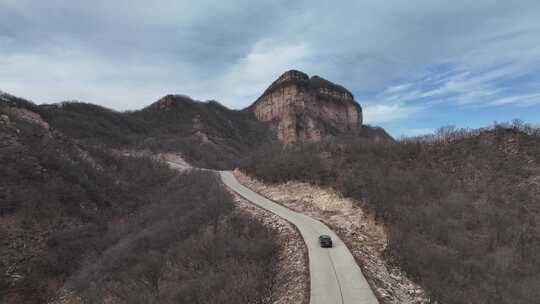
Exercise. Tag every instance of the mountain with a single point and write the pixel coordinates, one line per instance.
(303, 109)
(295, 108)
(461, 207)
(80, 222)
(207, 134)
(210, 133)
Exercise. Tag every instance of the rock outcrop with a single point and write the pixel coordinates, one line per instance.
(303, 109)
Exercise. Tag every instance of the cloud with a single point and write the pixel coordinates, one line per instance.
(403, 57)
(522, 100)
(250, 75)
(417, 131)
(491, 87)
(64, 75)
(381, 113)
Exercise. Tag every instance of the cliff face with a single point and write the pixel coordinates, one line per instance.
(303, 109)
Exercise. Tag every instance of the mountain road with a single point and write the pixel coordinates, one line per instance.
(334, 275)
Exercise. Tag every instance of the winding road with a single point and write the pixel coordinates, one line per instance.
(335, 277)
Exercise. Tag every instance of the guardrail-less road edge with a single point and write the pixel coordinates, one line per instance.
(335, 277)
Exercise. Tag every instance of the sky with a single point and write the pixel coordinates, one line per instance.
(413, 65)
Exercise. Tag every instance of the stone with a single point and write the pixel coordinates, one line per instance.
(4, 119)
(198, 129)
(29, 116)
(303, 109)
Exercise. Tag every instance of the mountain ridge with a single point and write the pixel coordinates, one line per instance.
(207, 133)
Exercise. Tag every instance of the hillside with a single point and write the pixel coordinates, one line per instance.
(460, 207)
(207, 134)
(80, 223)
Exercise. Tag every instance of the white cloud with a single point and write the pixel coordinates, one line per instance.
(381, 113)
(459, 87)
(59, 75)
(416, 131)
(397, 88)
(126, 54)
(249, 76)
(521, 100)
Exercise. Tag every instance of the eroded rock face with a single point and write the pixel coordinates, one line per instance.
(303, 109)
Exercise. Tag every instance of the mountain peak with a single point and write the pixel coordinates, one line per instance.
(300, 108)
(171, 101)
(299, 78)
(293, 74)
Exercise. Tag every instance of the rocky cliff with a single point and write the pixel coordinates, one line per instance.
(303, 109)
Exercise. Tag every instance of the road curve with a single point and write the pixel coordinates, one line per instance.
(335, 277)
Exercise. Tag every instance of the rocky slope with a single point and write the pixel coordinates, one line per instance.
(303, 109)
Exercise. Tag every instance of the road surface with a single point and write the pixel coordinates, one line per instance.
(335, 277)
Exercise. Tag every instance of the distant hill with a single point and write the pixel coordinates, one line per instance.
(207, 134)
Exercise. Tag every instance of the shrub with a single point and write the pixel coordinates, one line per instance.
(122, 228)
(461, 206)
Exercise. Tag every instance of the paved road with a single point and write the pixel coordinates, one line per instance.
(335, 276)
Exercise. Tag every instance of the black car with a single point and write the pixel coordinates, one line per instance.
(325, 241)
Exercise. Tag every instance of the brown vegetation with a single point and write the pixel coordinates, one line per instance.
(365, 239)
(207, 134)
(461, 207)
(98, 227)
